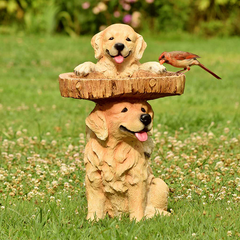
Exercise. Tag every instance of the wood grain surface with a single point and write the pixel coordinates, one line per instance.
(143, 85)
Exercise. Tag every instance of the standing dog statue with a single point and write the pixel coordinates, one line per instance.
(118, 176)
(118, 50)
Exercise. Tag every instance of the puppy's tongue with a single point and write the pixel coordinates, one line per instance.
(141, 136)
(119, 59)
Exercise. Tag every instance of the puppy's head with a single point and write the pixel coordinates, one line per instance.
(122, 120)
(119, 43)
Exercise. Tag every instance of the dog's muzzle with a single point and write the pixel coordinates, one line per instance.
(142, 135)
(119, 58)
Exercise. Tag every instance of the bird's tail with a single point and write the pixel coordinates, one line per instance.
(203, 67)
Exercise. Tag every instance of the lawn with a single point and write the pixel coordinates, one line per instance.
(42, 194)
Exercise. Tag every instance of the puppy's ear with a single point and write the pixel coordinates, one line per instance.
(96, 43)
(96, 121)
(140, 47)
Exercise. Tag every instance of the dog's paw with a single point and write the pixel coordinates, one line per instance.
(84, 69)
(153, 67)
(151, 212)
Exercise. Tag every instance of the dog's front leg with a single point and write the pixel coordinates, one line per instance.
(95, 197)
(137, 201)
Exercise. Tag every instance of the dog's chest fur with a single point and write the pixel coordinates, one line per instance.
(120, 166)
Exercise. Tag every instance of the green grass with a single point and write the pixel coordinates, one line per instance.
(42, 194)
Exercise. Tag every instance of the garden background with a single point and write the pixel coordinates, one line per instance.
(78, 17)
(42, 135)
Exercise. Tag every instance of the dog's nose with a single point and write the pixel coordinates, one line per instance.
(119, 46)
(145, 119)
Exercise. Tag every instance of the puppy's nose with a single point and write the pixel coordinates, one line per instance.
(145, 119)
(119, 46)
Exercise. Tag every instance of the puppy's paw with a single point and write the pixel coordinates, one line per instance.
(153, 67)
(84, 69)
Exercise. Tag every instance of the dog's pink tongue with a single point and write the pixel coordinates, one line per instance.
(119, 59)
(141, 136)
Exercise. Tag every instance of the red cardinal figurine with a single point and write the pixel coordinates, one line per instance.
(183, 60)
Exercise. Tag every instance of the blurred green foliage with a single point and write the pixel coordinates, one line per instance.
(78, 17)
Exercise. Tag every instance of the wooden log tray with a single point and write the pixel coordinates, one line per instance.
(143, 85)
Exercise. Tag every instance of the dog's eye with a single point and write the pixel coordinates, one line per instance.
(111, 38)
(143, 109)
(128, 39)
(125, 110)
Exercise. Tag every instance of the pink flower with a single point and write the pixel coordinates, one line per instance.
(136, 19)
(127, 18)
(116, 14)
(85, 5)
(130, 1)
(126, 6)
(149, 1)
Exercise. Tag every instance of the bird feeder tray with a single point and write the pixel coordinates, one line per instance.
(142, 85)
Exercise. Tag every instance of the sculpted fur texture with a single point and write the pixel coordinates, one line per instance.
(118, 176)
(118, 50)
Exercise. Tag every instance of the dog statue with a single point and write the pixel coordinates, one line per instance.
(118, 50)
(118, 176)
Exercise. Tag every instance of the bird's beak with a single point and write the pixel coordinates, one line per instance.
(162, 61)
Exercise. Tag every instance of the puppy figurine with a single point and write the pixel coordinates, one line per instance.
(118, 50)
(118, 176)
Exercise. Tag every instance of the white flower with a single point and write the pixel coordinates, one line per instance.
(30, 194)
(226, 130)
(54, 142)
(70, 147)
(2, 177)
(18, 133)
(189, 197)
(52, 198)
(102, 6)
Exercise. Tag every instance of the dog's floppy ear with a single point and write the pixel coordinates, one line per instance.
(96, 43)
(140, 47)
(96, 121)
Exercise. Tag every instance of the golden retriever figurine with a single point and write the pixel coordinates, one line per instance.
(118, 176)
(118, 49)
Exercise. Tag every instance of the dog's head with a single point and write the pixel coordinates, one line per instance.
(119, 43)
(122, 120)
